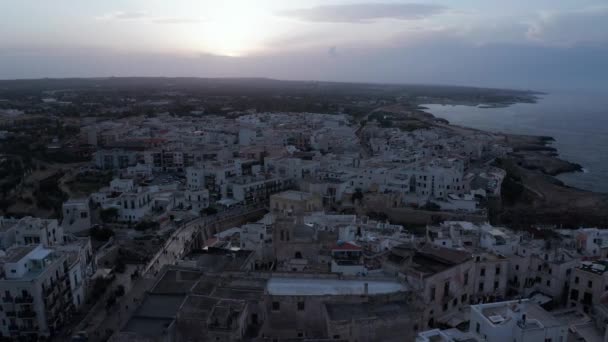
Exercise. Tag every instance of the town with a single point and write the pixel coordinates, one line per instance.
(234, 224)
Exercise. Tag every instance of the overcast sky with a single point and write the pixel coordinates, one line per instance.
(512, 43)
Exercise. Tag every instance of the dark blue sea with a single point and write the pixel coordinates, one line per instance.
(577, 120)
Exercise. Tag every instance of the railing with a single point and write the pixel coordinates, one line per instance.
(10, 314)
(7, 299)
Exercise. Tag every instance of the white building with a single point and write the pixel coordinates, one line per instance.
(195, 178)
(197, 199)
(121, 185)
(115, 159)
(37, 295)
(133, 206)
(76, 215)
(516, 321)
(33, 231)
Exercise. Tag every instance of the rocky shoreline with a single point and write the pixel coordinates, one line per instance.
(533, 153)
(531, 195)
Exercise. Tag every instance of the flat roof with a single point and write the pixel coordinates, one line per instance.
(160, 306)
(18, 253)
(354, 311)
(532, 310)
(39, 254)
(294, 195)
(282, 286)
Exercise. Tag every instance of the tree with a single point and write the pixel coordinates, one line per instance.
(101, 233)
(431, 206)
(108, 215)
(120, 266)
(208, 211)
(120, 291)
(145, 225)
(357, 195)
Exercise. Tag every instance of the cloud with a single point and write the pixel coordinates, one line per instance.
(121, 15)
(142, 16)
(586, 26)
(333, 51)
(364, 12)
(177, 20)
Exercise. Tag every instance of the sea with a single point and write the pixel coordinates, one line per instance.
(577, 120)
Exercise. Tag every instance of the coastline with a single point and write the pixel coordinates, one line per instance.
(531, 194)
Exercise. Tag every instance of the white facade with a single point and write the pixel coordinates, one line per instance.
(76, 216)
(37, 297)
(195, 178)
(516, 321)
(133, 206)
(33, 231)
(121, 185)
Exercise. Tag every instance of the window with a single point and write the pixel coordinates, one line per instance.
(539, 267)
(495, 285)
(482, 272)
(477, 328)
(548, 282)
(466, 278)
(432, 296)
(497, 270)
(576, 280)
(300, 306)
(517, 267)
(480, 287)
(589, 284)
(463, 298)
(445, 307)
(276, 306)
(336, 337)
(574, 294)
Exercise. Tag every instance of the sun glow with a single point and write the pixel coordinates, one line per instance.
(235, 30)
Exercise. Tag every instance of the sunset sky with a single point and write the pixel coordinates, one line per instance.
(533, 43)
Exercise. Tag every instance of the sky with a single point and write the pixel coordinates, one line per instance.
(525, 44)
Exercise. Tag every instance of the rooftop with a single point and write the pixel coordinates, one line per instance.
(282, 286)
(597, 267)
(293, 195)
(501, 312)
(18, 253)
(355, 311)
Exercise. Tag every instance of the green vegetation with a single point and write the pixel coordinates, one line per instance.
(89, 181)
(145, 225)
(208, 211)
(49, 195)
(108, 215)
(101, 233)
